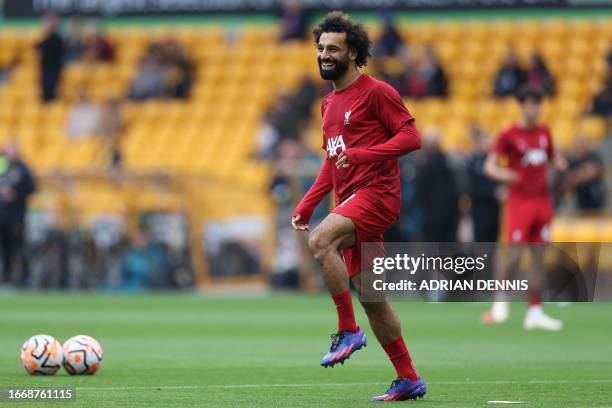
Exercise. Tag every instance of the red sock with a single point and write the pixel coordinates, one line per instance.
(535, 297)
(399, 356)
(346, 314)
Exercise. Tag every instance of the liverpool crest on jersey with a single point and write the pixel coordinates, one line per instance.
(347, 118)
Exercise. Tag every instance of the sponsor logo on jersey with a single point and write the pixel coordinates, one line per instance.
(333, 144)
(534, 157)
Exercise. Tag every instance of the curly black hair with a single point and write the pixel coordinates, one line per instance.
(529, 92)
(357, 37)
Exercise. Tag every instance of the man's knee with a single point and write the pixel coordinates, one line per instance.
(319, 243)
(335, 232)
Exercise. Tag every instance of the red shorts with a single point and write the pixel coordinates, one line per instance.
(373, 212)
(528, 219)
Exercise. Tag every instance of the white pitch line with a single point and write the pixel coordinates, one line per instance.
(289, 385)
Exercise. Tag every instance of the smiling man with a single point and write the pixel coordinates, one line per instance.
(366, 128)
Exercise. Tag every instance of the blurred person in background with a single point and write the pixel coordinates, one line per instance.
(390, 43)
(436, 192)
(408, 226)
(6, 69)
(179, 70)
(423, 75)
(585, 177)
(412, 82)
(294, 21)
(144, 264)
(366, 128)
(149, 79)
(539, 76)
(602, 102)
(16, 185)
(51, 49)
(294, 167)
(109, 129)
(434, 73)
(164, 71)
(73, 40)
(305, 96)
(267, 138)
(510, 76)
(284, 120)
(287, 118)
(96, 47)
(528, 148)
(485, 193)
(83, 118)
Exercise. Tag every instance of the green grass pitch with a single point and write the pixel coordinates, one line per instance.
(188, 350)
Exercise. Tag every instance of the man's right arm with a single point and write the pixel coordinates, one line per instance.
(496, 172)
(492, 167)
(320, 188)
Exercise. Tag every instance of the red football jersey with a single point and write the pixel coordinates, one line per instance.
(365, 114)
(528, 152)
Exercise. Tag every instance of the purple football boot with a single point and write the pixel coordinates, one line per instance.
(403, 389)
(344, 344)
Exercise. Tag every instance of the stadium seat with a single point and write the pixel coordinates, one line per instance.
(593, 128)
(226, 105)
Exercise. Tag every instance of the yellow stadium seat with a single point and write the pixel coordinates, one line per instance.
(583, 28)
(563, 132)
(214, 132)
(455, 137)
(605, 231)
(593, 128)
(554, 29)
(562, 230)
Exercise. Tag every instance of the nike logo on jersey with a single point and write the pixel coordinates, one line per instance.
(333, 144)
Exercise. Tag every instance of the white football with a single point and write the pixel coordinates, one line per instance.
(41, 355)
(82, 355)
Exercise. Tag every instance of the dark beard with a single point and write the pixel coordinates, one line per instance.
(337, 72)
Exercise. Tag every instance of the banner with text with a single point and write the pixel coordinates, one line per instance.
(31, 8)
(457, 272)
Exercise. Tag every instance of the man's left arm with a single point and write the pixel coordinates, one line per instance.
(392, 113)
(556, 158)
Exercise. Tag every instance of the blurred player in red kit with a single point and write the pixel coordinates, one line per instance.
(529, 149)
(366, 127)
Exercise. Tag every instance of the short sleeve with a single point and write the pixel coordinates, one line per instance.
(390, 108)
